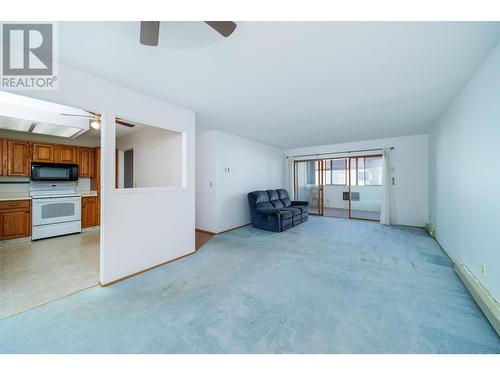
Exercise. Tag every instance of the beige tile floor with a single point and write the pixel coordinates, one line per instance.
(33, 273)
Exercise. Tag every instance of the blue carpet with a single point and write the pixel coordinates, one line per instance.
(325, 286)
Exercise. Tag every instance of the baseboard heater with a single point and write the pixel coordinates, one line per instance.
(431, 230)
(483, 298)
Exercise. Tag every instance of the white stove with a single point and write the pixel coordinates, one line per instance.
(56, 209)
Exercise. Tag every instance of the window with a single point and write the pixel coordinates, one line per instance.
(365, 171)
(339, 171)
(373, 171)
(335, 172)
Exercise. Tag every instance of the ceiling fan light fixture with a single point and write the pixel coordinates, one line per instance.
(96, 124)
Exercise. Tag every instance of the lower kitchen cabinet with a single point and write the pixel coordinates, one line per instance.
(90, 212)
(15, 219)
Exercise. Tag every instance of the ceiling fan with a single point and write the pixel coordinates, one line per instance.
(150, 30)
(96, 117)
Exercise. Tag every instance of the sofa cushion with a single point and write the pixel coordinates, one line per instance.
(303, 209)
(295, 211)
(259, 199)
(284, 197)
(274, 199)
(285, 215)
(260, 196)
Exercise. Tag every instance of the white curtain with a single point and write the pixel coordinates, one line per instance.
(290, 175)
(386, 211)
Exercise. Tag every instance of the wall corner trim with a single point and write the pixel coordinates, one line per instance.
(483, 298)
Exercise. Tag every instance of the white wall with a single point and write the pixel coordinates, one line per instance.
(157, 156)
(410, 160)
(235, 166)
(139, 229)
(465, 178)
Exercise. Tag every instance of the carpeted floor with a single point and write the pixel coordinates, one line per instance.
(325, 286)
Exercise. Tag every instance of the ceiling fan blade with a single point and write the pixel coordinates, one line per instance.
(225, 28)
(74, 115)
(150, 31)
(119, 121)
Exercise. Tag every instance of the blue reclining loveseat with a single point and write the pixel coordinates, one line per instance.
(273, 210)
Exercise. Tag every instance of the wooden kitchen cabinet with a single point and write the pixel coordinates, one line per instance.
(86, 161)
(18, 158)
(3, 155)
(43, 152)
(90, 211)
(66, 154)
(15, 219)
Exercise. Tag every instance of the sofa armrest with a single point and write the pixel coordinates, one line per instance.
(300, 203)
(268, 211)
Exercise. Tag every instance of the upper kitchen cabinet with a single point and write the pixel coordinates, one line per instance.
(86, 161)
(66, 154)
(18, 158)
(44, 152)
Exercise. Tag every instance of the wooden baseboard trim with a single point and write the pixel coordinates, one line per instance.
(205, 231)
(145, 270)
(228, 230)
(483, 298)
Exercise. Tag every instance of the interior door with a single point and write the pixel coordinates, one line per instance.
(128, 168)
(307, 184)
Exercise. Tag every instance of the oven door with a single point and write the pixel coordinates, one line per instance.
(56, 210)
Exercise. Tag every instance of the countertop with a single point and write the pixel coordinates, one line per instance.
(91, 193)
(25, 196)
(14, 196)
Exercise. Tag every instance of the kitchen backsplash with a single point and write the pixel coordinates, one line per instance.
(22, 186)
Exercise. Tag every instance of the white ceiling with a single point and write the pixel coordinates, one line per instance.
(292, 84)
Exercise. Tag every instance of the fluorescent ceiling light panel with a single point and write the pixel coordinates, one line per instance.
(39, 111)
(55, 130)
(16, 124)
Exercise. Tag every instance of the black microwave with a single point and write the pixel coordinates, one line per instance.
(54, 172)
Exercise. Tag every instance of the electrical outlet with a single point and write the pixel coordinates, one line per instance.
(483, 270)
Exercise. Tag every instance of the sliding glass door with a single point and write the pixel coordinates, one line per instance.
(348, 187)
(335, 188)
(365, 187)
(308, 180)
